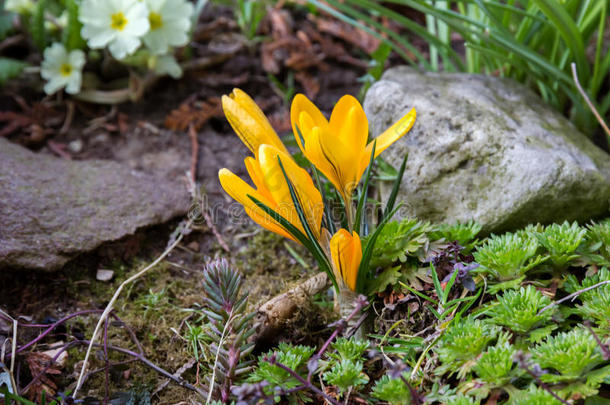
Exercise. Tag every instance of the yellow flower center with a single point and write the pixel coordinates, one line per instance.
(155, 20)
(65, 69)
(118, 21)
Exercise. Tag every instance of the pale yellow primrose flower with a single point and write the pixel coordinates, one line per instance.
(118, 24)
(61, 68)
(170, 23)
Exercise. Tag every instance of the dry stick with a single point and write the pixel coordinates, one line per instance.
(203, 209)
(602, 346)
(13, 350)
(521, 361)
(589, 103)
(109, 307)
(194, 151)
(572, 296)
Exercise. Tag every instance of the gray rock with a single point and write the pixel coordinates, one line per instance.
(487, 149)
(53, 209)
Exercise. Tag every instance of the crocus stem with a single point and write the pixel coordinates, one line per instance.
(349, 302)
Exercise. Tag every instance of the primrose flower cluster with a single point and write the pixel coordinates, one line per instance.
(284, 198)
(135, 32)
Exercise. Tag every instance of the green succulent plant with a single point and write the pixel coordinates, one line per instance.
(345, 375)
(462, 233)
(461, 344)
(598, 235)
(571, 354)
(349, 349)
(392, 390)
(533, 396)
(399, 239)
(507, 257)
(496, 363)
(462, 399)
(562, 242)
(518, 310)
(596, 301)
(293, 356)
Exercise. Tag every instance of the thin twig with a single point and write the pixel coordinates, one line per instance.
(194, 152)
(602, 346)
(304, 382)
(573, 296)
(589, 103)
(521, 361)
(109, 307)
(203, 210)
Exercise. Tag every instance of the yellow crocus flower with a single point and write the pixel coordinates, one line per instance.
(346, 253)
(338, 147)
(272, 190)
(249, 122)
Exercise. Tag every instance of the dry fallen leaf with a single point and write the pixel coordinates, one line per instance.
(194, 114)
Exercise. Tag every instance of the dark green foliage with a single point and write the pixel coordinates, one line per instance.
(229, 325)
(71, 34)
(10, 68)
(37, 25)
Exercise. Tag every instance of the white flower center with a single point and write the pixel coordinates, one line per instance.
(118, 21)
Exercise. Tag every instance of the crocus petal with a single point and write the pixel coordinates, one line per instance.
(301, 104)
(240, 190)
(256, 174)
(249, 122)
(346, 253)
(348, 122)
(307, 193)
(388, 137)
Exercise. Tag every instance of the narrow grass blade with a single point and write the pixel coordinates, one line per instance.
(364, 192)
(392, 199)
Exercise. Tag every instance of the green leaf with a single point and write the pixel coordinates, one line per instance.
(6, 24)
(71, 35)
(383, 280)
(392, 199)
(363, 270)
(37, 25)
(363, 194)
(10, 68)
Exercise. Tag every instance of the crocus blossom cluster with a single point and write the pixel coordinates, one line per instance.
(284, 198)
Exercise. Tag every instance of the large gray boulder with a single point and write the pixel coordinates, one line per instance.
(487, 149)
(53, 209)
